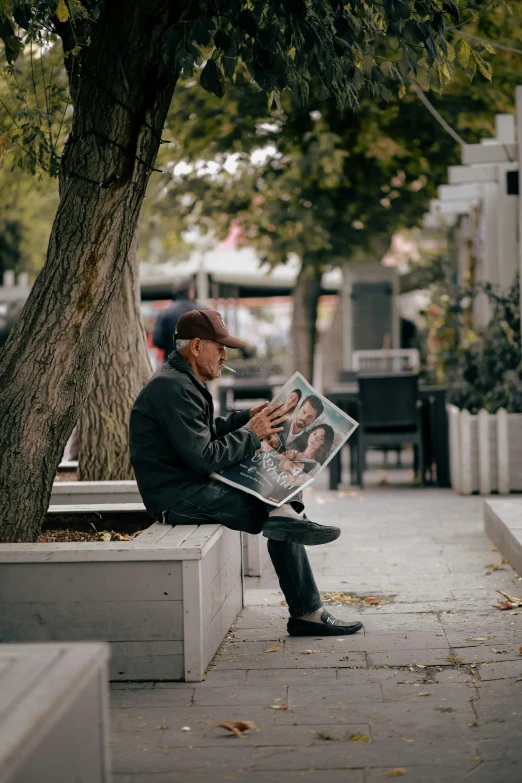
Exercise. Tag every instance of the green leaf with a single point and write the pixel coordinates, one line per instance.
(483, 66)
(222, 40)
(201, 31)
(212, 79)
(247, 23)
(62, 12)
(464, 51)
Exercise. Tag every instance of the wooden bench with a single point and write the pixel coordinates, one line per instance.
(54, 713)
(72, 492)
(164, 601)
(255, 554)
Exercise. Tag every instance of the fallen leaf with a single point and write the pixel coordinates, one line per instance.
(395, 773)
(358, 738)
(454, 659)
(105, 536)
(372, 601)
(478, 638)
(424, 693)
(511, 602)
(405, 739)
(520, 650)
(309, 652)
(279, 706)
(237, 727)
(273, 649)
(419, 666)
(163, 727)
(499, 652)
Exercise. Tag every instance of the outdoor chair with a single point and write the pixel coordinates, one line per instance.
(389, 417)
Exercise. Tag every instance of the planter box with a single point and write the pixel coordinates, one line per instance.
(165, 600)
(53, 713)
(503, 524)
(485, 451)
(255, 553)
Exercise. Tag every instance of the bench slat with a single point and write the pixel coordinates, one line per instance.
(179, 535)
(99, 508)
(152, 534)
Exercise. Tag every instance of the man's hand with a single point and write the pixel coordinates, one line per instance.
(267, 419)
(257, 409)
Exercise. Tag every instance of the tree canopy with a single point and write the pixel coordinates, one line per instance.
(123, 61)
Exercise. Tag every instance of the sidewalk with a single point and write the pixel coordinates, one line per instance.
(431, 692)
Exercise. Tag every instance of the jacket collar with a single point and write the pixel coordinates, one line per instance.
(177, 361)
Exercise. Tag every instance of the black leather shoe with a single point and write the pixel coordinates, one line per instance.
(329, 627)
(300, 531)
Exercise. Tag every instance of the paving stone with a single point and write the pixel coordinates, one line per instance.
(500, 670)
(245, 694)
(274, 776)
(425, 657)
(292, 676)
(489, 653)
(421, 774)
(338, 694)
(155, 697)
(233, 677)
(496, 772)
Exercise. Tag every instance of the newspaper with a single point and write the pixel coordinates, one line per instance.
(291, 459)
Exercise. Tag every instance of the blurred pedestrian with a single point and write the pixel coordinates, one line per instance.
(166, 322)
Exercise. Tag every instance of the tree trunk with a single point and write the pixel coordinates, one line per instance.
(303, 330)
(121, 96)
(123, 368)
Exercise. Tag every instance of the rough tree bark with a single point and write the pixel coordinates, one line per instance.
(123, 368)
(303, 331)
(121, 98)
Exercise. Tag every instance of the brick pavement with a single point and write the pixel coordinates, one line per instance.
(433, 688)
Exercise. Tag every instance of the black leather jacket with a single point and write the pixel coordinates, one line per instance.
(175, 442)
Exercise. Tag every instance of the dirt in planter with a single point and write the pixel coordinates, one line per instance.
(94, 527)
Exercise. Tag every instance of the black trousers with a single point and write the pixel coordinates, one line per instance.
(217, 502)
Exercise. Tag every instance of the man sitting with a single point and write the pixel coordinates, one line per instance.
(176, 443)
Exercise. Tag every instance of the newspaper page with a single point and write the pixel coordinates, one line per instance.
(291, 459)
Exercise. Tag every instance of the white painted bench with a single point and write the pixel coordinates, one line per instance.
(72, 492)
(54, 713)
(255, 553)
(164, 601)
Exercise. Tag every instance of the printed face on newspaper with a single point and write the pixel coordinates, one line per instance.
(291, 459)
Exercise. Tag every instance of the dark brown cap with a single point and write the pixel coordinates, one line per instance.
(207, 325)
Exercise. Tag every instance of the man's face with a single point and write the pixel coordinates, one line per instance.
(210, 357)
(304, 417)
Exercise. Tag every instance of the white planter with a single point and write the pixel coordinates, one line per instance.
(164, 601)
(71, 493)
(54, 713)
(485, 451)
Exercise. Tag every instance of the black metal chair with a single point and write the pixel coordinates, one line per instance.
(389, 416)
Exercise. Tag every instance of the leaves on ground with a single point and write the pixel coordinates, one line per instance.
(454, 659)
(424, 693)
(395, 773)
(309, 652)
(279, 706)
(372, 600)
(273, 649)
(511, 602)
(358, 738)
(238, 727)
(324, 735)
